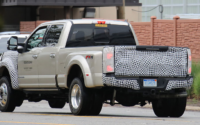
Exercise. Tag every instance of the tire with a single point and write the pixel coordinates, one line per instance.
(8, 104)
(97, 103)
(179, 107)
(19, 98)
(172, 107)
(79, 97)
(56, 103)
(163, 107)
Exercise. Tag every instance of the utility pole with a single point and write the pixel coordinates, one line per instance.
(122, 10)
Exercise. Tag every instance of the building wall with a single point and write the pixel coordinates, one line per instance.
(51, 13)
(78, 13)
(131, 15)
(29, 26)
(110, 13)
(13, 15)
(106, 12)
(171, 7)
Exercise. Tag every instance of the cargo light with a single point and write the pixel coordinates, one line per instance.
(108, 60)
(189, 61)
(190, 70)
(190, 58)
(101, 22)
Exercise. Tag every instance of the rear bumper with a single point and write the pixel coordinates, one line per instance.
(165, 84)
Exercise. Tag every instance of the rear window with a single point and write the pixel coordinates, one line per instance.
(98, 35)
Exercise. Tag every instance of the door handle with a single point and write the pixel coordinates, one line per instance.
(52, 55)
(35, 56)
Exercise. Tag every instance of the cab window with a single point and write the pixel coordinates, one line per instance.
(36, 39)
(53, 35)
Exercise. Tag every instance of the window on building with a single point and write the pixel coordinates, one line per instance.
(89, 13)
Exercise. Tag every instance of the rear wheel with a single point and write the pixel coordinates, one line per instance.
(161, 107)
(179, 107)
(7, 100)
(56, 103)
(172, 107)
(79, 97)
(97, 103)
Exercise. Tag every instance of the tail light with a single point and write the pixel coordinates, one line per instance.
(108, 60)
(189, 62)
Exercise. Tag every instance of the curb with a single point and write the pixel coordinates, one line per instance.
(188, 108)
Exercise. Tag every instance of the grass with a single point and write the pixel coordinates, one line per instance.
(194, 92)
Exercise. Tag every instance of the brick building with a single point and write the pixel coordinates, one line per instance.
(15, 11)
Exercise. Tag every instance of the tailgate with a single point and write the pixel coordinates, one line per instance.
(151, 61)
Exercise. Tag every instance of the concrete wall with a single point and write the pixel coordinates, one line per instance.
(182, 33)
(143, 31)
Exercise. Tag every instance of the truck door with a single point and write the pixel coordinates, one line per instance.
(28, 61)
(48, 56)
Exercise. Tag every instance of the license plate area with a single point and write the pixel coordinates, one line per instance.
(149, 82)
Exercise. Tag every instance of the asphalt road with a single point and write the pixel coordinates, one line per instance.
(41, 114)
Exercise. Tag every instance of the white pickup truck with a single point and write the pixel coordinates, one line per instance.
(90, 62)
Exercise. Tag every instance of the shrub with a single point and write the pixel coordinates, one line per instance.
(195, 90)
(196, 86)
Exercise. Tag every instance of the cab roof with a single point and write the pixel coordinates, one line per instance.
(86, 21)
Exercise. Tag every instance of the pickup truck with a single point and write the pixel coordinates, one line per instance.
(90, 62)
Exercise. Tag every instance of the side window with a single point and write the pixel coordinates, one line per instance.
(36, 39)
(53, 35)
(80, 36)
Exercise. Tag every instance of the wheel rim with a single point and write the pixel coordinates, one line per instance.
(3, 94)
(76, 96)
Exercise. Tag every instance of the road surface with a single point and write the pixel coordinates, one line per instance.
(40, 113)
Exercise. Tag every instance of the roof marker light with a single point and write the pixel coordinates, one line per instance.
(101, 22)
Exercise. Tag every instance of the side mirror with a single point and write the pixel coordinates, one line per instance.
(20, 49)
(12, 43)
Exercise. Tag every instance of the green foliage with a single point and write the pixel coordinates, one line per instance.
(195, 90)
(196, 86)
